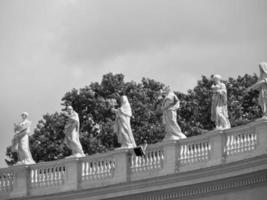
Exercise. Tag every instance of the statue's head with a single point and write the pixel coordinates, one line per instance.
(69, 109)
(24, 115)
(124, 100)
(216, 78)
(166, 90)
(263, 68)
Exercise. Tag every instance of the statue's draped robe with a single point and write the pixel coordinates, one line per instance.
(219, 111)
(71, 131)
(122, 126)
(263, 89)
(20, 142)
(169, 117)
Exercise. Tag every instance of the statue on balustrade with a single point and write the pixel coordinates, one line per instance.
(20, 141)
(122, 126)
(169, 108)
(261, 86)
(71, 131)
(219, 111)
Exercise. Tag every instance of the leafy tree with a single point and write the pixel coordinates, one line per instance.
(96, 119)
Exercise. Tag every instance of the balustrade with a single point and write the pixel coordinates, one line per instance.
(97, 168)
(241, 141)
(194, 152)
(122, 166)
(152, 160)
(47, 176)
(7, 179)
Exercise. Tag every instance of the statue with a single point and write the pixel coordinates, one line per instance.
(122, 126)
(71, 131)
(261, 85)
(169, 118)
(219, 112)
(20, 141)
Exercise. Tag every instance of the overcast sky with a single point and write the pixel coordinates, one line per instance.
(49, 47)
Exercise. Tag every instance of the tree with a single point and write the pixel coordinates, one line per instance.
(96, 119)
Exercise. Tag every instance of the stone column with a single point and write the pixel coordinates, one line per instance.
(22, 181)
(122, 170)
(170, 157)
(73, 174)
(217, 142)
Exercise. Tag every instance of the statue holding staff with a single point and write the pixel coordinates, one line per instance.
(20, 141)
(71, 131)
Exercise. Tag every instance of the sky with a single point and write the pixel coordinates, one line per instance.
(49, 47)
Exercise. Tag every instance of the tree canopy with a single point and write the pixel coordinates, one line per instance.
(96, 119)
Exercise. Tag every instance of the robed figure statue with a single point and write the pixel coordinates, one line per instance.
(71, 131)
(219, 111)
(169, 108)
(261, 86)
(20, 141)
(122, 126)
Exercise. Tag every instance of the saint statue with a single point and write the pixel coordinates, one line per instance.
(261, 85)
(219, 111)
(20, 141)
(169, 108)
(71, 131)
(122, 126)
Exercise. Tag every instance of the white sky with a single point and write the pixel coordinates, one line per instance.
(49, 47)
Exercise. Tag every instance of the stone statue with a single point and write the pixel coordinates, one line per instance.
(261, 85)
(20, 141)
(169, 108)
(122, 126)
(71, 131)
(219, 111)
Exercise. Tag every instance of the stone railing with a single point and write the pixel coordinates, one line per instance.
(123, 166)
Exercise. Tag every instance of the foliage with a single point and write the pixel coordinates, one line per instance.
(96, 119)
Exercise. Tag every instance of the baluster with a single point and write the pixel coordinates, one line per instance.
(83, 170)
(207, 148)
(188, 153)
(232, 146)
(188, 156)
(158, 159)
(132, 163)
(198, 152)
(246, 142)
(195, 153)
(101, 170)
(153, 160)
(227, 145)
(238, 143)
(241, 142)
(39, 177)
(53, 176)
(204, 150)
(201, 151)
(148, 160)
(90, 172)
(33, 177)
(109, 167)
(254, 140)
(47, 181)
(59, 175)
(94, 175)
(1, 183)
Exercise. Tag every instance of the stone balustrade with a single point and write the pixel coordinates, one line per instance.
(123, 166)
